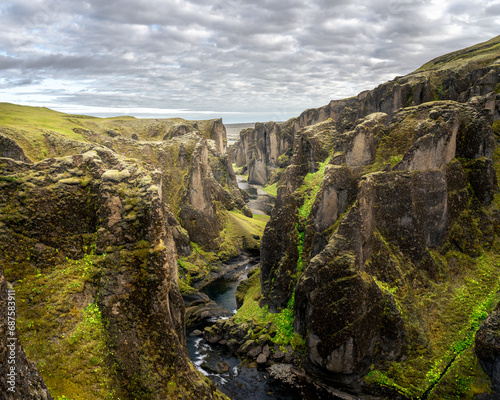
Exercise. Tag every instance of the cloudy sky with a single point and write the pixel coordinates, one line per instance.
(241, 60)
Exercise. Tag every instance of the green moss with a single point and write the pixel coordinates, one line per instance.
(442, 318)
(239, 171)
(309, 190)
(8, 178)
(465, 379)
(283, 160)
(282, 321)
(62, 331)
(271, 189)
(394, 143)
(240, 232)
(496, 128)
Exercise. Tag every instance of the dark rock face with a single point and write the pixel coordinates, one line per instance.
(28, 384)
(10, 149)
(260, 147)
(65, 203)
(487, 348)
(336, 193)
(279, 253)
(349, 320)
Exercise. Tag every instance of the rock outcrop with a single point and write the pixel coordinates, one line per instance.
(104, 219)
(21, 379)
(366, 232)
(487, 348)
(10, 149)
(472, 74)
(260, 149)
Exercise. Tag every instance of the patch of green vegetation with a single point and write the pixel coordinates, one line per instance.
(29, 127)
(283, 321)
(240, 232)
(300, 248)
(309, 190)
(8, 178)
(283, 160)
(271, 189)
(395, 159)
(451, 309)
(497, 88)
(61, 327)
(239, 171)
(480, 54)
(394, 143)
(379, 378)
(496, 127)
(410, 99)
(464, 380)
(195, 267)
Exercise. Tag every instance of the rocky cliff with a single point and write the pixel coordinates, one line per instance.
(90, 243)
(472, 74)
(94, 268)
(384, 237)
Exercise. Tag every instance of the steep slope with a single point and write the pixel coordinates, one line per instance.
(471, 74)
(385, 234)
(97, 230)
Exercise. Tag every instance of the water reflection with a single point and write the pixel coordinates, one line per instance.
(260, 202)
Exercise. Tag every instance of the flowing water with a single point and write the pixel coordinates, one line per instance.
(259, 202)
(237, 380)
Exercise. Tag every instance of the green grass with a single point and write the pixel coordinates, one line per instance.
(480, 54)
(240, 233)
(29, 125)
(61, 327)
(238, 171)
(271, 189)
(452, 310)
(283, 321)
(310, 188)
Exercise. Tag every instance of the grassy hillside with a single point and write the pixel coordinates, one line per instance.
(482, 54)
(36, 128)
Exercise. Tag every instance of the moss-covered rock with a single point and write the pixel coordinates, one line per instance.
(487, 347)
(96, 265)
(21, 377)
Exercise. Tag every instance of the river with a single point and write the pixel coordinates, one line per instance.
(237, 380)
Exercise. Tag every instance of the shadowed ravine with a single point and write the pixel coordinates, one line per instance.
(236, 379)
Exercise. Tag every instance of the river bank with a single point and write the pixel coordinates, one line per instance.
(236, 378)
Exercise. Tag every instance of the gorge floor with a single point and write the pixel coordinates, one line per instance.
(238, 380)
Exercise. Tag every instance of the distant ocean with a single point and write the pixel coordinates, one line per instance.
(233, 131)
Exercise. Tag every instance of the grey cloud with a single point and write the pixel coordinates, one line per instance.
(230, 56)
(7, 62)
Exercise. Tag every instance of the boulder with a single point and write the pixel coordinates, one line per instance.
(487, 347)
(261, 359)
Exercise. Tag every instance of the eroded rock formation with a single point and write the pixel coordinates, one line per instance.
(362, 225)
(455, 76)
(53, 213)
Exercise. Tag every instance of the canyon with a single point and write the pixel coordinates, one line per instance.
(375, 276)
